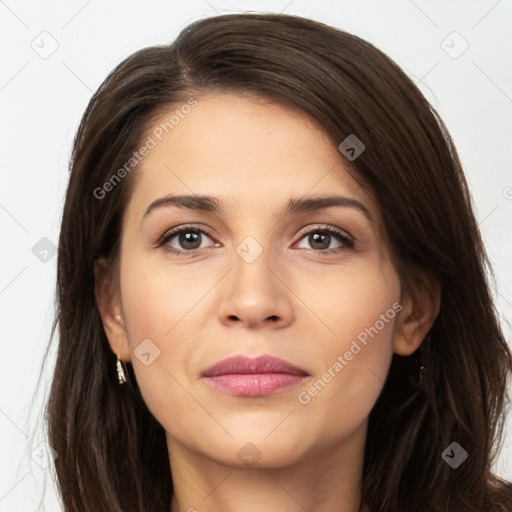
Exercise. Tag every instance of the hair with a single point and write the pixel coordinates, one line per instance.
(112, 453)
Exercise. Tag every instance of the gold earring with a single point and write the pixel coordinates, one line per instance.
(121, 377)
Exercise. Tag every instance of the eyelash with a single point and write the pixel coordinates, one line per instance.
(341, 236)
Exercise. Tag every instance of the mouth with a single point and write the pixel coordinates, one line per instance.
(248, 376)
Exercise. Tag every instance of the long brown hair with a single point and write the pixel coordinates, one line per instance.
(112, 454)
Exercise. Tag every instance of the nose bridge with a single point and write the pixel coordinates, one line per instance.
(252, 260)
(254, 294)
(256, 238)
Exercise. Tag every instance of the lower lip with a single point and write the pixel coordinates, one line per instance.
(254, 384)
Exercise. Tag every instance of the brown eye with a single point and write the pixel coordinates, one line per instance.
(320, 239)
(185, 239)
(189, 240)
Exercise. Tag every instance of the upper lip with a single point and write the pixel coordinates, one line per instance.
(245, 364)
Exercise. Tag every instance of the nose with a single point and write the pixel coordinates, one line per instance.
(255, 295)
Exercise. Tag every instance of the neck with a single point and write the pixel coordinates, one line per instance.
(328, 480)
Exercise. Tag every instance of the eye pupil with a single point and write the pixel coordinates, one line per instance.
(320, 238)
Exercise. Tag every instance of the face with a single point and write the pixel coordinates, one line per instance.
(313, 287)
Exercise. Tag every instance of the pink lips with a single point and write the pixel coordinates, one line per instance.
(247, 376)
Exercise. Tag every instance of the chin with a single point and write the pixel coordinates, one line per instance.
(250, 448)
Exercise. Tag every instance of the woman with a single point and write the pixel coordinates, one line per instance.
(272, 288)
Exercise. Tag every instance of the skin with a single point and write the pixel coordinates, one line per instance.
(199, 309)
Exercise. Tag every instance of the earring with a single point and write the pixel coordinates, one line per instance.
(121, 377)
(417, 381)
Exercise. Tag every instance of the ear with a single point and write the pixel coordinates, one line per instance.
(108, 301)
(416, 318)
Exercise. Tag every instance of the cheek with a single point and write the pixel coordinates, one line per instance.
(153, 310)
(366, 316)
(353, 361)
(163, 310)
(157, 302)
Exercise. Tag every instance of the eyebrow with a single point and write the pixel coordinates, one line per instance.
(295, 205)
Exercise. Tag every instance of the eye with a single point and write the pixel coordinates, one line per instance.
(188, 239)
(321, 237)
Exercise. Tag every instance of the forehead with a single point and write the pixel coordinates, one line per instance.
(251, 154)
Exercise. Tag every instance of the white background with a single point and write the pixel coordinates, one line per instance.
(43, 99)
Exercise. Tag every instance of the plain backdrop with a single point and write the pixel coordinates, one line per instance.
(57, 53)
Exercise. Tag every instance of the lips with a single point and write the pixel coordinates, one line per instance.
(247, 365)
(246, 376)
